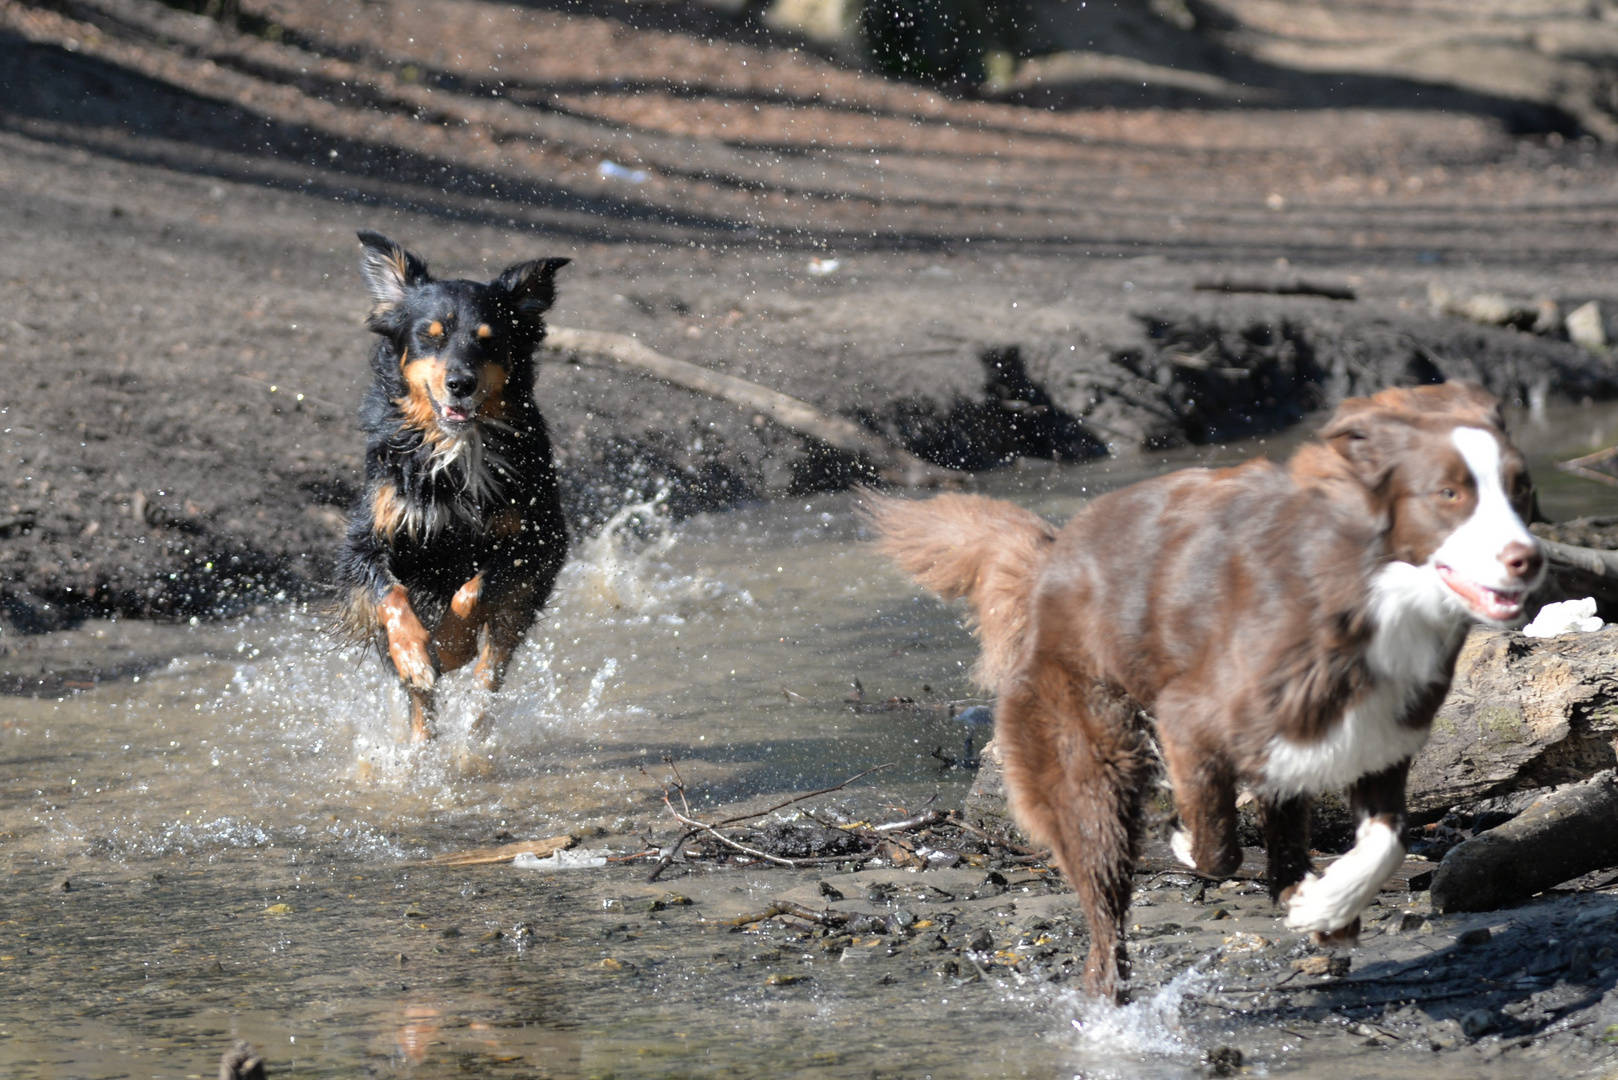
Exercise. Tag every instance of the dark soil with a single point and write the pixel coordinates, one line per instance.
(181, 313)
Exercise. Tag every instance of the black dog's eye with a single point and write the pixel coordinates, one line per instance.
(1449, 494)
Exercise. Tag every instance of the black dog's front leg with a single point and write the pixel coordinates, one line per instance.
(401, 637)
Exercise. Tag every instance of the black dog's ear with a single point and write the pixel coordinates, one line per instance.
(532, 285)
(388, 270)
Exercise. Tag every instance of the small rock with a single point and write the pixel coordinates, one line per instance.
(1443, 1034)
(1223, 1061)
(900, 921)
(830, 891)
(949, 968)
(1244, 942)
(1585, 327)
(1477, 1022)
(241, 1062)
(1477, 936)
(67, 886)
(1213, 916)
(785, 980)
(450, 931)
(1409, 922)
(1317, 966)
(980, 941)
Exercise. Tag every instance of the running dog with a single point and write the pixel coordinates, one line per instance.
(456, 541)
(1286, 629)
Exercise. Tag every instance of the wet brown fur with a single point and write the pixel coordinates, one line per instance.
(1214, 609)
(967, 545)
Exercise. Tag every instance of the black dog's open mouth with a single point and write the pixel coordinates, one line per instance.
(455, 414)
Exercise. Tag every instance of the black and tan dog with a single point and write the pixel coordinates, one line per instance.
(456, 542)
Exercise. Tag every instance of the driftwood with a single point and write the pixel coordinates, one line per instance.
(1522, 713)
(1582, 571)
(1282, 287)
(1561, 836)
(893, 463)
(539, 849)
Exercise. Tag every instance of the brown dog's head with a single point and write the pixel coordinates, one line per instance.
(1451, 489)
(455, 352)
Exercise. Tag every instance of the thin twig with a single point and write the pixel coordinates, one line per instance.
(784, 907)
(743, 848)
(805, 795)
(955, 820)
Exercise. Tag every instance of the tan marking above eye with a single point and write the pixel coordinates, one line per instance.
(435, 329)
(484, 331)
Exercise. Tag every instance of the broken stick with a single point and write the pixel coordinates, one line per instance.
(1561, 836)
(893, 463)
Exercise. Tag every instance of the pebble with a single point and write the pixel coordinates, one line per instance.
(1477, 1022)
(1318, 966)
(1477, 936)
(1213, 916)
(1223, 1061)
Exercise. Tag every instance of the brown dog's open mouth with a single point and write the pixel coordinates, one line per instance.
(1499, 605)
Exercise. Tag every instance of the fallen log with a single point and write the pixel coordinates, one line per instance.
(1582, 571)
(1522, 713)
(1559, 837)
(893, 463)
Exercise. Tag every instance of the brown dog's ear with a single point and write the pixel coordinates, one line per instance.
(388, 270)
(532, 285)
(1368, 437)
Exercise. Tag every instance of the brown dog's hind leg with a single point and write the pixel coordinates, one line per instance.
(1205, 796)
(1074, 767)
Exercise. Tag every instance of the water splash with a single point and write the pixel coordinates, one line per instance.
(1139, 1041)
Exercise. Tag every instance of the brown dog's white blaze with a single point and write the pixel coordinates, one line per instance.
(1289, 630)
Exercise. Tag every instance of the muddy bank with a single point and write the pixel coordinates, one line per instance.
(181, 436)
(976, 280)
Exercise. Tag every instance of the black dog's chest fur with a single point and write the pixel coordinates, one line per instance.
(455, 543)
(458, 531)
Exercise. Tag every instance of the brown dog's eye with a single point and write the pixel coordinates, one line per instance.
(1449, 494)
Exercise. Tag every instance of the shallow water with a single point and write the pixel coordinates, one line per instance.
(225, 837)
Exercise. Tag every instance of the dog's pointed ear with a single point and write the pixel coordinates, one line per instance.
(388, 270)
(1367, 437)
(532, 285)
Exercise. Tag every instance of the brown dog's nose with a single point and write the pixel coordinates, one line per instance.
(1522, 560)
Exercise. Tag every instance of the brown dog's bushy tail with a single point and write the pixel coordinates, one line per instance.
(985, 550)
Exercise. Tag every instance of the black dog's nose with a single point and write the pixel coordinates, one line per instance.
(460, 383)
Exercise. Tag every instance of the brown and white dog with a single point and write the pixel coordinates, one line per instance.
(1286, 629)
